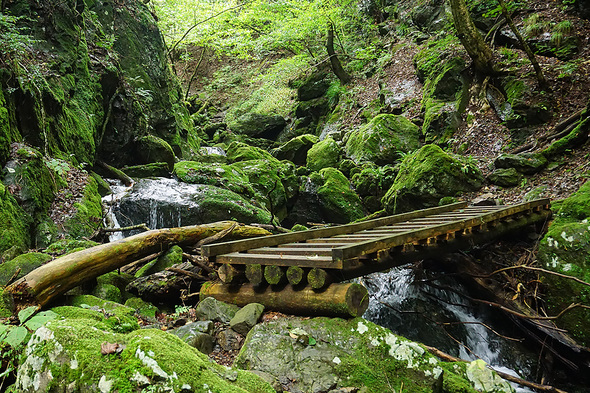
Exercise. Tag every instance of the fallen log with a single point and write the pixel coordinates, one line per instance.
(47, 282)
(339, 300)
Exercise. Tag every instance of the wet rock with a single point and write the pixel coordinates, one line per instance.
(323, 154)
(213, 310)
(156, 169)
(151, 149)
(382, 140)
(197, 335)
(246, 318)
(427, 176)
(508, 177)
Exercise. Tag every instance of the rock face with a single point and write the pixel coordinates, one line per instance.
(322, 354)
(382, 140)
(426, 177)
(260, 126)
(565, 249)
(67, 353)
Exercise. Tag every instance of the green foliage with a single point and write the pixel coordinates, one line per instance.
(16, 44)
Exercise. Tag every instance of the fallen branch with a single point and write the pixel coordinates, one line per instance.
(195, 261)
(129, 228)
(47, 282)
(186, 273)
(134, 266)
(449, 358)
(537, 269)
(217, 236)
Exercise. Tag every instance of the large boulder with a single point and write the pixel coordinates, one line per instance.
(565, 249)
(258, 125)
(427, 176)
(165, 203)
(239, 151)
(321, 355)
(323, 154)
(151, 149)
(383, 139)
(21, 265)
(526, 163)
(338, 201)
(82, 353)
(296, 149)
(314, 86)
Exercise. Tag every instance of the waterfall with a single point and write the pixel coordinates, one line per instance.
(410, 308)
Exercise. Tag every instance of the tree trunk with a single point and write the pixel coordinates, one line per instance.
(341, 300)
(45, 283)
(478, 50)
(334, 60)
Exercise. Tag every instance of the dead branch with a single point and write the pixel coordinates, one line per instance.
(186, 273)
(134, 266)
(197, 262)
(537, 269)
(449, 358)
(217, 236)
(129, 228)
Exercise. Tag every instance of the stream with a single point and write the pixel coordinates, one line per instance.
(400, 301)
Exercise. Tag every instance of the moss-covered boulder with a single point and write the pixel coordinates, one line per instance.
(321, 354)
(338, 201)
(371, 184)
(156, 169)
(258, 125)
(383, 139)
(14, 226)
(23, 264)
(66, 352)
(68, 246)
(296, 149)
(313, 109)
(166, 203)
(525, 107)
(151, 149)
(323, 154)
(508, 177)
(170, 258)
(428, 175)
(565, 249)
(239, 151)
(526, 163)
(314, 86)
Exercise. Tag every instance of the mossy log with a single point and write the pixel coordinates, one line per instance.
(295, 275)
(318, 278)
(255, 274)
(229, 274)
(339, 300)
(274, 275)
(45, 283)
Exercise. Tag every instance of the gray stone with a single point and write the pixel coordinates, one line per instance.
(260, 126)
(193, 335)
(229, 340)
(508, 177)
(246, 318)
(214, 310)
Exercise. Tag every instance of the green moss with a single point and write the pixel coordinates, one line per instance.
(156, 169)
(6, 303)
(68, 246)
(88, 214)
(238, 151)
(157, 356)
(14, 226)
(296, 149)
(151, 149)
(427, 176)
(324, 154)
(26, 263)
(142, 308)
(229, 205)
(8, 134)
(218, 175)
(383, 139)
(339, 203)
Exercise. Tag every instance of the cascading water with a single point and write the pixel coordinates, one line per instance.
(403, 304)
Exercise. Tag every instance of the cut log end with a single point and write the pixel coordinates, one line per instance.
(274, 275)
(295, 275)
(228, 274)
(255, 274)
(318, 278)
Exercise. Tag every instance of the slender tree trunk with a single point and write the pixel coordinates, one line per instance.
(525, 45)
(334, 60)
(478, 50)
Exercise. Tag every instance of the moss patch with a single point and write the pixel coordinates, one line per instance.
(324, 154)
(14, 226)
(88, 213)
(25, 262)
(338, 201)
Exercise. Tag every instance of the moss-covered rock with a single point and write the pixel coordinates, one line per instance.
(68, 246)
(104, 188)
(239, 151)
(14, 226)
(565, 249)
(23, 264)
(67, 353)
(151, 149)
(258, 125)
(87, 215)
(296, 149)
(507, 177)
(314, 86)
(526, 108)
(107, 292)
(371, 184)
(338, 201)
(321, 354)
(527, 163)
(427, 176)
(313, 109)
(383, 139)
(323, 154)
(170, 258)
(156, 169)
(142, 308)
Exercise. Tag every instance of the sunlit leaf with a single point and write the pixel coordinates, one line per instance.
(40, 319)
(16, 336)
(26, 313)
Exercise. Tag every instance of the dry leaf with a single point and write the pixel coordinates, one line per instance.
(107, 348)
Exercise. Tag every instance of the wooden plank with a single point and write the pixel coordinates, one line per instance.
(314, 245)
(372, 246)
(292, 251)
(339, 239)
(273, 240)
(279, 260)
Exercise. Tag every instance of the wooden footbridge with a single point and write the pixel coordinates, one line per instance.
(310, 261)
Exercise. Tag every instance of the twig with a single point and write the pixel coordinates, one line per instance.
(186, 273)
(14, 276)
(449, 358)
(194, 260)
(133, 266)
(537, 269)
(138, 226)
(219, 235)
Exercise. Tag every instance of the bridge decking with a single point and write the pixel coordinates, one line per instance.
(351, 250)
